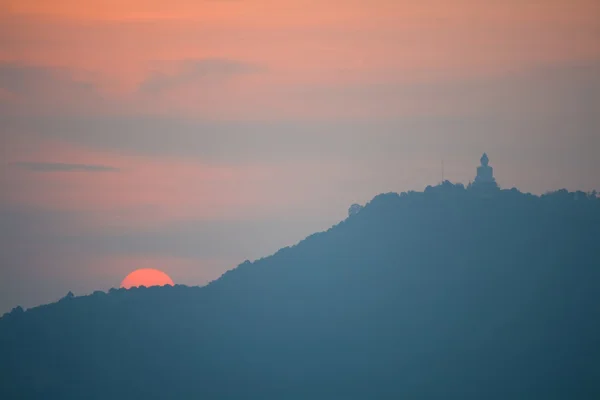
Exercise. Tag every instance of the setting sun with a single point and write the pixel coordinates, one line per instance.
(146, 277)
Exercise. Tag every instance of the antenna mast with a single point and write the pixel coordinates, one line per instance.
(442, 171)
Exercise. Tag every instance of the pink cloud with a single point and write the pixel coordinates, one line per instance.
(301, 43)
(164, 187)
(146, 191)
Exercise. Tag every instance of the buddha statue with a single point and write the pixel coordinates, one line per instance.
(485, 174)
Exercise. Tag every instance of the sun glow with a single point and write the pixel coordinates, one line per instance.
(146, 277)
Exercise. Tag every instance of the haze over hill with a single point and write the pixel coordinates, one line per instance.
(188, 136)
(458, 293)
(150, 142)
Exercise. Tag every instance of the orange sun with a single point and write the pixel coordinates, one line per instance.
(146, 277)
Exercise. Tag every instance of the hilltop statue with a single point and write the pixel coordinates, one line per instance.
(485, 174)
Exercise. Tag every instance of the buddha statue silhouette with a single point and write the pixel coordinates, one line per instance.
(485, 174)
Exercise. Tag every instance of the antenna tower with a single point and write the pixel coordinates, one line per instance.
(442, 171)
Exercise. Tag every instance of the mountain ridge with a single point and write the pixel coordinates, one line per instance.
(450, 292)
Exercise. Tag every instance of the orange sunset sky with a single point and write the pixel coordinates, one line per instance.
(189, 136)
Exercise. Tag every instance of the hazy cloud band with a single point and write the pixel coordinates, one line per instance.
(63, 167)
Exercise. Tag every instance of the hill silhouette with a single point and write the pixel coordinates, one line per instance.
(451, 293)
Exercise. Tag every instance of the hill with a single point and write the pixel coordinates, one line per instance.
(445, 294)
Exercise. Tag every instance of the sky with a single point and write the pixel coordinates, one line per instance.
(191, 135)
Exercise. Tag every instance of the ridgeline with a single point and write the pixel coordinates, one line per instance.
(451, 293)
